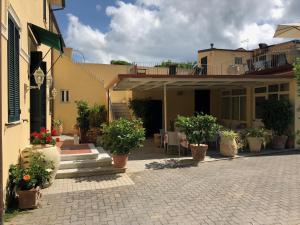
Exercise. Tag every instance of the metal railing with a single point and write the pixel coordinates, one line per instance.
(260, 61)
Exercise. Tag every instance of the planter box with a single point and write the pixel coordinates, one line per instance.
(29, 199)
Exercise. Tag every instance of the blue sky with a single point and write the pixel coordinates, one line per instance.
(155, 30)
(91, 12)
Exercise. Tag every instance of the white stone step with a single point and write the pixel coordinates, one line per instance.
(87, 172)
(86, 163)
(94, 154)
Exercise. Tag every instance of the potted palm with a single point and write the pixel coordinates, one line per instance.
(25, 182)
(120, 137)
(83, 119)
(256, 137)
(199, 130)
(230, 143)
(43, 142)
(278, 116)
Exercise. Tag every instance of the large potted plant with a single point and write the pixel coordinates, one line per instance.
(120, 137)
(58, 126)
(43, 142)
(230, 143)
(199, 130)
(278, 116)
(256, 137)
(97, 116)
(25, 182)
(83, 119)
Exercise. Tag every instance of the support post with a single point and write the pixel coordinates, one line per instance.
(165, 108)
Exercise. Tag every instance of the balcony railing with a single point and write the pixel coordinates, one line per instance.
(258, 63)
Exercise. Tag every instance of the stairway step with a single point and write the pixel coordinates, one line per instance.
(87, 163)
(87, 172)
(94, 154)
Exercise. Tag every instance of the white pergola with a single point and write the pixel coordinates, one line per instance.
(155, 82)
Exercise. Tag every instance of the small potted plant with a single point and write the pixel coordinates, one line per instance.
(230, 143)
(25, 182)
(120, 137)
(256, 137)
(199, 130)
(278, 116)
(43, 142)
(58, 127)
(83, 119)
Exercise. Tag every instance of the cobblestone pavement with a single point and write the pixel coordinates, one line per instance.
(254, 190)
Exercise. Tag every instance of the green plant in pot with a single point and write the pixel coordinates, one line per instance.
(58, 126)
(25, 180)
(278, 116)
(256, 137)
(230, 143)
(97, 116)
(82, 118)
(120, 137)
(199, 130)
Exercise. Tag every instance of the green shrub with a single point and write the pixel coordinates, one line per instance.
(82, 115)
(198, 129)
(277, 115)
(97, 116)
(121, 136)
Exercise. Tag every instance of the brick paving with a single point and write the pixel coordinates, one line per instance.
(254, 190)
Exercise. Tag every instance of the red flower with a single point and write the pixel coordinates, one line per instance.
(54, 132)
(43, 130)
(49, 139)
(57, 140)
(35, 134)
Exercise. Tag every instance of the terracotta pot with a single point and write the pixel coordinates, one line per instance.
(228, 146)
(29, 199)
(255, 143)
(198, 151)
(290, 143)
(278, 142)
(51, 153)
(120, 161)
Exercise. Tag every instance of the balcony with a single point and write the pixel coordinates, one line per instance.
(262, 62)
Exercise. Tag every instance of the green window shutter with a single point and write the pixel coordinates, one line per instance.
(13, 72)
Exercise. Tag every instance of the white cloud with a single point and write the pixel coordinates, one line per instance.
(153, 30)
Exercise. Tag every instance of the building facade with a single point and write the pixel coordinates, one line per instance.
(25, 26)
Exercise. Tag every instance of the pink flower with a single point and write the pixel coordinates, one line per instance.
(43, 130)
(54, 132)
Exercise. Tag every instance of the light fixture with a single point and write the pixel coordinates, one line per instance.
(49, 80)
(53, 93)
(39, 77)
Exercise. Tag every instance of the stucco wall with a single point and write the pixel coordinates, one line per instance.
(16, 136)
(84, 81)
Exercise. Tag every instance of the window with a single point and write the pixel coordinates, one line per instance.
(272, 92)
(234, 104)
(13, 72)
(64, 96)
(238, 60)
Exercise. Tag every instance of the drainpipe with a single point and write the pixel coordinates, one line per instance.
(1, 125)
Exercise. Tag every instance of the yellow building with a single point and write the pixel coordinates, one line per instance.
(28, 39)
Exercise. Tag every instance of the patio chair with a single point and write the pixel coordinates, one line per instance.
(173, 140)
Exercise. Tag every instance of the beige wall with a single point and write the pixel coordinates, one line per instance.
(16, 136)
(220, 62)
(84, 81)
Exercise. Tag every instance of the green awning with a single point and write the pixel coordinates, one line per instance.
(46, 37)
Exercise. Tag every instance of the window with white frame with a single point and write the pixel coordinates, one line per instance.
(64, 95)
(272, 91)
(233, 104)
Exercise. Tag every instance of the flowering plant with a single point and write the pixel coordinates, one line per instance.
(42, 138)
(37, 174)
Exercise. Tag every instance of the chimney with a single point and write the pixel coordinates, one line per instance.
(211, 45)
